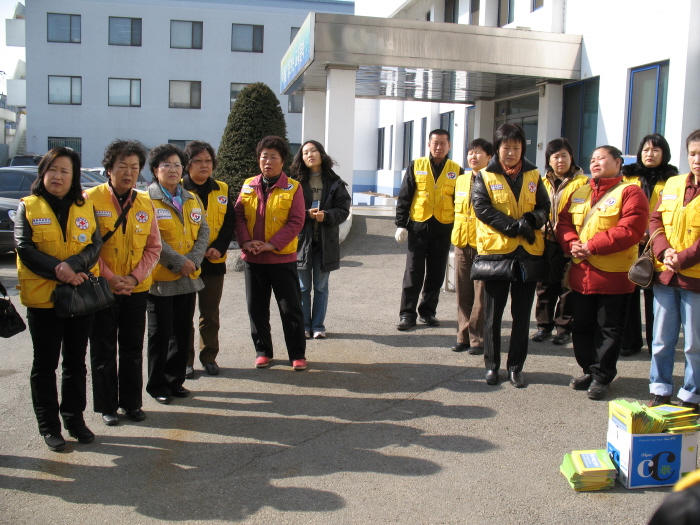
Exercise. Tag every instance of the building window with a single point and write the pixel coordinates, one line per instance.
(296, 104)
(647, 105)
(407, 143)
(580, 119)
(469, 125)
(235, 90)
(246, 37)
(124, 31)
(427, 16)
(474, 12)
(186, 35)
(74, 143)
(536, 4)
(65, 90)
(506, 12)
(451, 11)
(380, 149)
(447, 122)
(182, 144)
(63, 28)
(391, 146)
(124, 92)
(293, 34)
(294, 148)
(185, 94)
(423, 135)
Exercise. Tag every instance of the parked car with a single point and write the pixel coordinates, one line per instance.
(15, 182)
(25, 160)
(8, 208)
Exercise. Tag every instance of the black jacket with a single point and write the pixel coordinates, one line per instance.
(335, 202)
(519, 265)
(649, 176)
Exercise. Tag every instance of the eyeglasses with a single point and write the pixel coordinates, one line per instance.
(199, 162)
(167, 166)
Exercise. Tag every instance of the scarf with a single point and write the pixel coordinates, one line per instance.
(514, 171)
(175, 200)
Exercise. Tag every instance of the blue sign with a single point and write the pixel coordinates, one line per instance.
(656, 459)
(299, 55)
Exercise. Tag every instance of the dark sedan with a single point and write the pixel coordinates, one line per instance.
(15, 182)
(8, 207)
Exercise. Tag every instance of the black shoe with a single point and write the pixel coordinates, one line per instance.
(189, 372)
(581, 383)
(492, 377)
(164, 400)
(82, 434)
(55, 442)
(476, 350)
(659, 400)
(212, 369)
(135, 414)
(181, 392)
(516, 379)
(460, 347)
(561, 339)
(430, 320)
(629, 351)
(597, 390)
(110, 419)
(405, 323)
(688, 404)
(541, 335)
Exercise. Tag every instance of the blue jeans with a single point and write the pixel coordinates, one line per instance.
(673, 306)
(314, 317)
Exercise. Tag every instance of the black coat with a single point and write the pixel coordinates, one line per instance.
(649, 176)
(335, 202)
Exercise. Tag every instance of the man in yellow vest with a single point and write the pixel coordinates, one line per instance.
(424, 218)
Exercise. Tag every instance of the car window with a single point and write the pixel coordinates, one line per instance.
(10, 181)
(27, 181)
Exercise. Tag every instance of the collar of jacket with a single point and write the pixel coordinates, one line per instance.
(190, 185)
(495, 166)
(282, 182)
(662, 172)
(155, 192)
(573, 171)
(604, 184)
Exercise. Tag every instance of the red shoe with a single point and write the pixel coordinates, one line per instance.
(262, 361)
(299, 364)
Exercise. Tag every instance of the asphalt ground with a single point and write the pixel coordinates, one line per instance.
(384, 426)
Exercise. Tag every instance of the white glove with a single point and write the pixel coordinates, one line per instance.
(401, 235)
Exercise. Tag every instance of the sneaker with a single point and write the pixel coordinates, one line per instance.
(299, 364)
(262, 361)
(659, 400)
(320, 335)
(308, 334)
(55, 442)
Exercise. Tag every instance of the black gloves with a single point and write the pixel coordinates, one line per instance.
(525, 230)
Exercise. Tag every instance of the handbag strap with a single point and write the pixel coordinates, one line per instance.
(647, 248)
(593, 209)
(2, 290)
(122, 217)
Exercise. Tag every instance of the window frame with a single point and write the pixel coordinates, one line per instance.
(190, 82)
(70, 28)
(193, 24)
(509, 16)
(131, 31)
(381, 134)
(407, 143)
(75, 143)
(233, 100)
(631, 111)
(291, 107)
(71, 103)
(131, 104)
(577, 145)
(423, 135)
(252, 49)
(534, 7)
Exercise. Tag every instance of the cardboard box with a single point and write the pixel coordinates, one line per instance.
(651, 460)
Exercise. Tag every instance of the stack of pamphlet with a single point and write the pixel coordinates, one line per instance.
(635, 418)
(677, 420)
(587, 470)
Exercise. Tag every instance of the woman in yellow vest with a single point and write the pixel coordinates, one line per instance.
(650, 172)
(511, 203)
(270, 214)
(677, 283)
(57, 241)
(171, 299)
(129, 254)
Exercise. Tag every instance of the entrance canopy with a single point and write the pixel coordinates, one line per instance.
(414, 60)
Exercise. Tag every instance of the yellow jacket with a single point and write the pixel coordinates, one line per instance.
(215, 213)
(658, 190)
(464, 230)
(434, 197)
(560, 196)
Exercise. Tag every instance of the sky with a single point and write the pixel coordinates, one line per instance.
(8, 55)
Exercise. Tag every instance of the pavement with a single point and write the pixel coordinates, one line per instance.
(383, 427)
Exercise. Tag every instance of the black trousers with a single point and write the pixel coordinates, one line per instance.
(426, 263)
(169, 333)
(522, 296)
(632, 335)
(598, 324)
(553, 308)
(52, 338)
(118, 330)
(282, 279)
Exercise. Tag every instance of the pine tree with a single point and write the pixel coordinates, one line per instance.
(255, 114)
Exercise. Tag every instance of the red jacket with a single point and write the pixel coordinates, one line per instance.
(634, 220)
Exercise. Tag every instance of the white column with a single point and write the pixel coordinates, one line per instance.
(488, 13)
(340, 120)
(549, 118)
(313, 119)
(483, 119)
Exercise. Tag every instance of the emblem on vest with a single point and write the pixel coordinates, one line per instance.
(452, 175)
(578, 201)
(196, 215)
(532, 187)
(222, 199)
(421, 173)
(162, 213)
(103, 213)
(496, 187)
(289, 186)
(669, 197)
(82, 237)
(141, 216)
(82, 223)
(610, 201)
(461, 194)
(40, 222)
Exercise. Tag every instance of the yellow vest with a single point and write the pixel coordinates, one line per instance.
(561, 198)
(681, 224)
(215, 212)
(180, 237)
(464, 230)
(658, 190)
(279, 201)
(490, 241)
(124, 250)
(37, 291)
(606, 216)
(434, 197)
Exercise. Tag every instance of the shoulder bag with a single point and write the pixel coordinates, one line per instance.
(553, 255)
(90, 296)
(642, 271)
(11, 323)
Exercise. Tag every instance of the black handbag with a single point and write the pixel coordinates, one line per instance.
(553, 257)
(642, 271)
(11, 323)
(90, 296)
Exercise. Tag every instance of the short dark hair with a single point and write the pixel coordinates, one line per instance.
(658, 141)
(557, 145)
(273, 142)
(693, 137)
(439, 131)
(162, 152)
(75, 192)
(509, 132)
(120, 149)
(483, 144)
(612, 150)
(301, 172)
(196, 147)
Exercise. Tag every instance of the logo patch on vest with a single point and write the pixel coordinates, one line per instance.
(196, 215)
(669, 197)
(421, 173)
(532, 187)
(163, 213)
(82, 237)
(610, 201)
(461, 194)
(141, 216)
(103, 213)
(451, 175)
(289, 186)
(578, 200)
(82, 223)
(496, 187)
(222, 199)
(39, 222)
